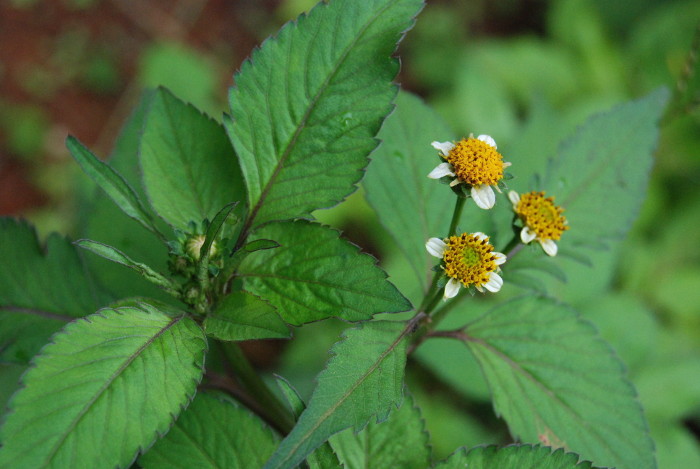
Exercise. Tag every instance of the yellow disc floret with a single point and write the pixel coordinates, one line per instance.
(541, 215)
(476, 162)
(469, 259)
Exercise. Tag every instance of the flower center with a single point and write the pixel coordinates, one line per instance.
(469, 259)
(476, 162)
(541, 215)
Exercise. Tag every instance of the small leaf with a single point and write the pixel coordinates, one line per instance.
(363, 378)
(315, 275)
(242, 316)
(115, 255)
(112, 183)
(513, 457)
(41, 289)
(323, 457)
(400, 441)
(260, 244)
(601, 173)
(555, 381)
(189, 168)
(105, 388)
(214, 432)
(211, 235)
(308, 104)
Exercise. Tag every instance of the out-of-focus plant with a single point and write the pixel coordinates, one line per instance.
(131, 351)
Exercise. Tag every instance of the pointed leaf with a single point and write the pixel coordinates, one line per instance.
(308, 104)
(214, 432)
(115, 255)
(315, 275)
(554, 380)
(514, 457)
(601, 174)
(41, 289)
(399, 441)
(189, 168)
(411, 206)
(111, 182)
(105, 388)
(364, 378)
(242, 316)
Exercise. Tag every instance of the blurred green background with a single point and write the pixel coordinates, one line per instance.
(488, 66)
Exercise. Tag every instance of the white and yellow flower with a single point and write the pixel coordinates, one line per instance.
(468, 259)
(542, 219)
(475, 162)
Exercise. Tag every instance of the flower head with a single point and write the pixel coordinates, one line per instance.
(468, 259)
(475, 162)
(542, 220)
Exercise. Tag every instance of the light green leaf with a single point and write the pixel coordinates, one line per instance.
(103, 390)
(411, 206)
(115, 255)
(555, 381)
(242, 316)
(41, 289)
(513, 457)
(189, 168)
(399, 441)
(323, 457)
(364, 378)
(308, 104)
(214, 432)
(315, 275)
(600, 176)
(112, 183)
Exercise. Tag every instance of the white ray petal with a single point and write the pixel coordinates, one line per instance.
(527, 235)
(452, 288)
(500, 258)
(441, 170)
(514, 198)
(495, 283)
(480, 235)
(487, 139)
(444, 147)
(549, 246)
(436, 247)
(484, 196)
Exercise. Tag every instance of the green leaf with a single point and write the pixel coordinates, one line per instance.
(600, 176)
(400, 441)
(103, 390)
(554, 380)
(308, 104)
(323, 457)
(513, 457)
(315, 275)
(189, 168)
(214, 432)
(112, 183)
(115, 255)
(411, 206)
(242, 316)
(41, 289)
(364, 378)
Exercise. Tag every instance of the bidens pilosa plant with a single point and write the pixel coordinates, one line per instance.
(131, 342)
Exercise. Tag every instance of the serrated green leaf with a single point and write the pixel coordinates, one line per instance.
(103, 390)
(513, 457)
(601, 173)
(115, 255)
(189, 168)
(315, 275)
(112, 183)
(242, 316)
(323, 457)
(554, 380)
(308, 104)
(411, 206)
(214, 432)
(399, 441)
(363, 378)
(41, 289)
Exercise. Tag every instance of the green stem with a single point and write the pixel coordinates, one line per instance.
(456, 215)
(257, 388)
